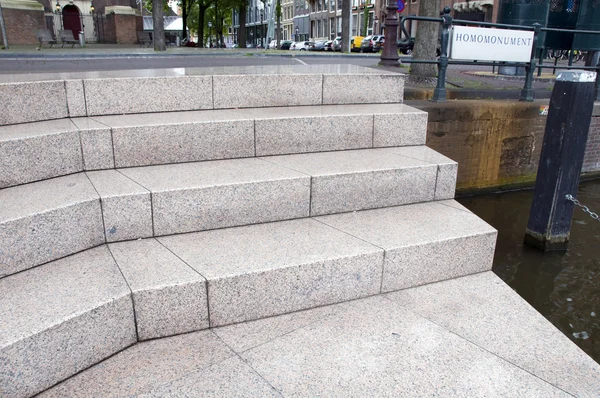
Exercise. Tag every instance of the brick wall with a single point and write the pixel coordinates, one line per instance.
(21, 25)
(125, 29)
(497, 144)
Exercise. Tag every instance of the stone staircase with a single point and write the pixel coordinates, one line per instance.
(262, 191)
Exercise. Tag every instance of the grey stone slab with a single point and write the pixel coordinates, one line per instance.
(365, 88)
(484, 310)
(40, 150)
(59, 319)
(199, 196)
(423, 243)
(230, 378)
(126, 206)
(169, 297)
(167, 118)
(399, 129)
(75, 98)
(371, 348)
(264, 270)
(46, 220)
(96, 144)
(447, 169)
(146, 366)
(362, 179)
(32, 101)
(132, 95)
(446, 181)
(189, 142)
(313, 134)
(253, 91)
(243, 336)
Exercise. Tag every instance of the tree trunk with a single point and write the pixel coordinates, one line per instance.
(426, 41)
(184, 19)
(242, 29)
(159, 27)
(346, 34)
(201, 13)
(278, 11)
(365, 21)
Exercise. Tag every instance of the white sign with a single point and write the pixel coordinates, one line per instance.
(485, 44)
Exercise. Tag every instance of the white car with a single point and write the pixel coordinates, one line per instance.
(273, 45)
(300, 46)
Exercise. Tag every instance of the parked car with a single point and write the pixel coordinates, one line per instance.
(300, 45)
(380, 43)
(318, 45)
(406, 46)
(328, 45)
(355, 43)
(273, 44)
(371, 43)
(285, 45)
(337, 44)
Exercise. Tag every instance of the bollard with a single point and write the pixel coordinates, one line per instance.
(567, 126)
(81, 39)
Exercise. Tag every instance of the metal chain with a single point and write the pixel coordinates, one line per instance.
(584, 208)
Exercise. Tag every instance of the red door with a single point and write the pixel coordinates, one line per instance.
(71, 20)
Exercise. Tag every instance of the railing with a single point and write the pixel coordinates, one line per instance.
(439, 94)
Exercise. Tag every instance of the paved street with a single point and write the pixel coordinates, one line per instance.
(150, 61)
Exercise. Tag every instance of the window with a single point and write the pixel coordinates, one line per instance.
(354, 24)
(318, 29)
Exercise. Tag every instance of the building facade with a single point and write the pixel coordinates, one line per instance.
(106, 21)
(322, 19)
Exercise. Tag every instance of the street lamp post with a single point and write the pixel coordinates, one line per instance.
(296, 36)
(389, 55)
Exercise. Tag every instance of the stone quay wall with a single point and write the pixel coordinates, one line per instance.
(497, 144)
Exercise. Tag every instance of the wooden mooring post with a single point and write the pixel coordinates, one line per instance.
(563, 148)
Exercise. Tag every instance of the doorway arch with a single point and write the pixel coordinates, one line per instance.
(72, 19)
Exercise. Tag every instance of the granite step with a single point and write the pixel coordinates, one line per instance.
(98, 93)
(467, 337)
(46, 220)
(61, 318)
(40, 150)
(66, 315)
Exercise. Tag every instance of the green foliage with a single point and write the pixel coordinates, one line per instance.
(166, 8)
(278, 10)
(365, 20)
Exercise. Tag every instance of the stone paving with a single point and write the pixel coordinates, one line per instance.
(466, 337)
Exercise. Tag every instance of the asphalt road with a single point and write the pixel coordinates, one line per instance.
(43, 65)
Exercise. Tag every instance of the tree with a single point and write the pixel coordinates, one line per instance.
(278, 15)
(158, 26)
(198, 18)
(346, 26)
(365, 21)
(426, 41)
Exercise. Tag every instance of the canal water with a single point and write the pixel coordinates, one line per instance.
(562, 286)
